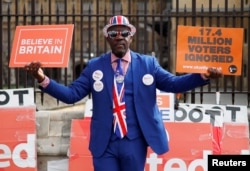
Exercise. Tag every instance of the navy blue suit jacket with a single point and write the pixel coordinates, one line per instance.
(149, 117)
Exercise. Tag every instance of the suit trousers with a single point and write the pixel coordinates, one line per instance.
(123, 155)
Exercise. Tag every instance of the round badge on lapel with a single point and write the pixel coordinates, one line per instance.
(97, 75)
(98, 86)
(147, 79)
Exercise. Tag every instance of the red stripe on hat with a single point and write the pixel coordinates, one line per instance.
(119, 20)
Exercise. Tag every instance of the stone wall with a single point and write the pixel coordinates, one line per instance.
(53, 122)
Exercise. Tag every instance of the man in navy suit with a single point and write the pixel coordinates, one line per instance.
(139, 118)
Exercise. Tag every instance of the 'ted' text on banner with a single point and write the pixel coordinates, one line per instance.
(49, 44)
(18, 138)
(201, 47)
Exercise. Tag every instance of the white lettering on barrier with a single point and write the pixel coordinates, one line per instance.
(211, 114)
(18, 160)
(153, 161)
(17, 97)
(198, 114)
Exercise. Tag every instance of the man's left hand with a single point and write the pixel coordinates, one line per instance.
(213, 73)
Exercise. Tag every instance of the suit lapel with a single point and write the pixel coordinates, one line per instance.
(108, 74)
(136, 71)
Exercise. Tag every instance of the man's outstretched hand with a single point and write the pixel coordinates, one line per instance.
(213, 73)
(34, 68)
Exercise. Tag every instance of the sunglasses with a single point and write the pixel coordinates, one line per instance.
(114, 34)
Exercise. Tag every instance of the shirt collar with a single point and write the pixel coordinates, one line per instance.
(126, 57)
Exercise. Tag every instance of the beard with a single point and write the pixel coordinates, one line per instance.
(119, 53)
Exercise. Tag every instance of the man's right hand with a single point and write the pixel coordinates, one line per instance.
(34, 68)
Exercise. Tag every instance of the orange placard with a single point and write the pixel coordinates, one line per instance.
(49, 44)
(201, 47)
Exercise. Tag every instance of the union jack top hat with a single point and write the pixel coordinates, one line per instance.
(118, 20)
